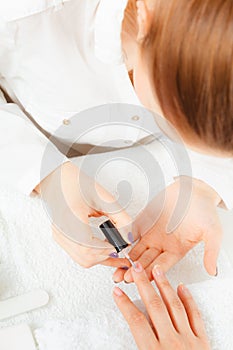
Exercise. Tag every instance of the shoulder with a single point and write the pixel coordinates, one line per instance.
(11, 10)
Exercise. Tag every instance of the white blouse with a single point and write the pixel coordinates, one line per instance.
(61, 57)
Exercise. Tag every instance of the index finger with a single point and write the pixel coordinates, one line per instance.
(154, 304)
(139, 326)
(120, 263)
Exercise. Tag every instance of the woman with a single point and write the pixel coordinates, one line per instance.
(51, 69)
(51, 63)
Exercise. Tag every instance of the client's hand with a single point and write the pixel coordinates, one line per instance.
(175, 323)
(72, 198)
(201, 223)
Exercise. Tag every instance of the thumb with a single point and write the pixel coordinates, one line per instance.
(107, 205)
(124, 224)
(119, 217)
(212, 248)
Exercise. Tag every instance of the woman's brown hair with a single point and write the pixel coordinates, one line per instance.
(189, 54)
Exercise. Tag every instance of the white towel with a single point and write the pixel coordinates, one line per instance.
(81, 313)
(108, 330)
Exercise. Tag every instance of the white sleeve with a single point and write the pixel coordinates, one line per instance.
(22, 148)
(176, 160)
(216, 172)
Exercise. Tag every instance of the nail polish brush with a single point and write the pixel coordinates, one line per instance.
(114, 237)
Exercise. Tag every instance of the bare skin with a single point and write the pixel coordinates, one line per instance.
(175, 321)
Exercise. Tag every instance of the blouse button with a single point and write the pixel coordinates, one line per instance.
(66, 121)
(135, 118)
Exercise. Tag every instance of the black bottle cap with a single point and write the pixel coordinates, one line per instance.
(113, 235)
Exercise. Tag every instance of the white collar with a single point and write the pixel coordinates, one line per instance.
(108, 24)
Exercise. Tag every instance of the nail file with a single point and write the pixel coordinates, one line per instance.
(23, 303)
(17, 337)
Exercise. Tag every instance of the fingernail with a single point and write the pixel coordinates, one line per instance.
(118, 292)
(130, 237)
(137, 267)
(116, 279)
(157, 271)
(125, 268)
(216, 272)
(126, 282)
(114, 255)
(127, 277)
(184, 289)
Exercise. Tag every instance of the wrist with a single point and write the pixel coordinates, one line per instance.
(50, 177)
